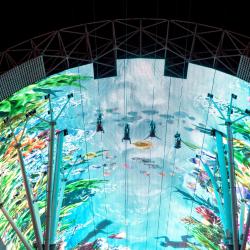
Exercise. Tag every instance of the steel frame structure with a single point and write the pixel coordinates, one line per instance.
(101, 43)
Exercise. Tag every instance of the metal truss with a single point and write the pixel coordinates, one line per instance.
(101, 43)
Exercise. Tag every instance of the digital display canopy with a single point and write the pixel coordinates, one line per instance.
(135, 156)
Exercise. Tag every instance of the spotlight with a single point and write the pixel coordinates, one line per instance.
(47, 97)
(247, 111)
(32, 112)
(6, 120)
(65, 132)
(209, 95)
(234, 96)
(70, 95)
(212, 133)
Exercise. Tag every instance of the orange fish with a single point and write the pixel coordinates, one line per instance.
(25, 154)
(29, 143)
(143, 144)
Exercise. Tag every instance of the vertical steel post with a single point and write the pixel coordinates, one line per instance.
(56, 186)
(242, 218)
(33, 209)
(244, 242)
(50, 177)
(234, 215)
(225, 185)
(233, 197)
(215, 187)
(15, 228)
(59, 205)
(2, 245)
(51, 173)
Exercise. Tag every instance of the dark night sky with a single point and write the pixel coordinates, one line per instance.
(22, 20)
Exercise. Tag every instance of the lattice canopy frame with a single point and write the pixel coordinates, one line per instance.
(101, 43)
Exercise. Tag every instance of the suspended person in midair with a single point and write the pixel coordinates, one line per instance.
(99, 127)
(126, 136)
(152, 131)
(177, 137)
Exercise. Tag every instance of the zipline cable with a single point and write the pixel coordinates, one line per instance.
(126, 164)
(163, 164)
(86, 152)
(103, 170)
(148, 175)
(173, 168)
(126, 120)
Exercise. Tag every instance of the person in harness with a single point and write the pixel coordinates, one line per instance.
(177, 137)
(152, 133)
(126, 136)
(99, 127)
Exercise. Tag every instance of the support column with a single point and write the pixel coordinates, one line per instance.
(15, 228)
(216, 188)
(35, 217)
(50, 174)
(234, 215)
(2, 246)
(56, 206)
(244, 242)
(242, 219)
(224, 174)
(231, 167)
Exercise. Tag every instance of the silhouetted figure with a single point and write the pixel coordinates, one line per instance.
(98, 229)
(175, 244)
(177, 140)
(152, 131)
(126, 136)
(99, 127)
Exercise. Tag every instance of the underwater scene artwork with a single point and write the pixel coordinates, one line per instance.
(134, 156)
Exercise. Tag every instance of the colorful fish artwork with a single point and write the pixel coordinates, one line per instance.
(143, 144)
(117, 196)
(118, 236)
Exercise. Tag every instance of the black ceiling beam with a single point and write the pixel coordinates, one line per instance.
(103, 42)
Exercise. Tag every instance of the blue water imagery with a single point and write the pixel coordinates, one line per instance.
(132, 173)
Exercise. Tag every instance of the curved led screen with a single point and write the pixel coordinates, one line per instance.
(133, 165)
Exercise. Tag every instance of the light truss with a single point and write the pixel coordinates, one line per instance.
(103, 42)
